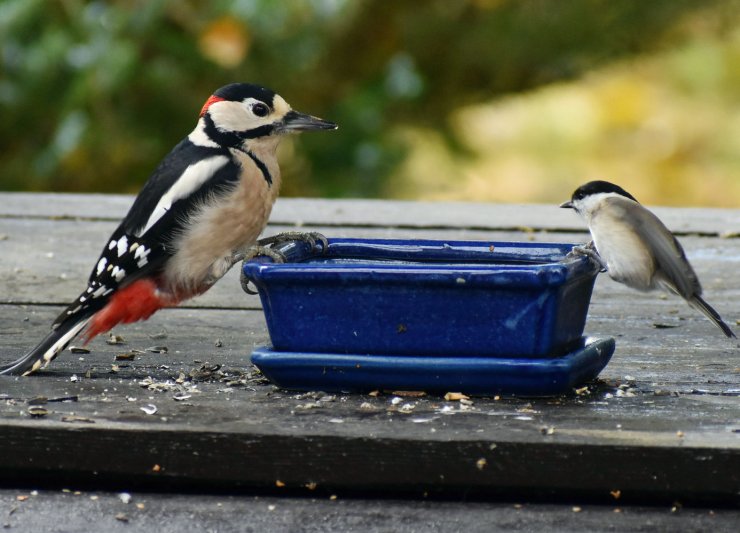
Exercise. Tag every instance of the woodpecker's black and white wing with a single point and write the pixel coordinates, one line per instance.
(140, 245)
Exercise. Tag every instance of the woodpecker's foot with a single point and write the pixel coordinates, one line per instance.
(250, 253)
(589, 250)
(312, 238)
(246, 284)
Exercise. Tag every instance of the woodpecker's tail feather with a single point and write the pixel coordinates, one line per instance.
(711, 314)
(56, 341)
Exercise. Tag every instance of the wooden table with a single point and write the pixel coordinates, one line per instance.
(661, 426)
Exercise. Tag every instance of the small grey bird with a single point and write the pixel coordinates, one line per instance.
(635, 247)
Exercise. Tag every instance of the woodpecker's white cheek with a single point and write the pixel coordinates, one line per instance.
(238, 116)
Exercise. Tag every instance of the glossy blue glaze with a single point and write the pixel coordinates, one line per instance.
(500, 299)
(472, 375)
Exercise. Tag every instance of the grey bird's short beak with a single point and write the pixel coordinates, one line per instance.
(568, 204)
(295, 121)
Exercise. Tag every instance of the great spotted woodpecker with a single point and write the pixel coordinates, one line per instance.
(204, 205)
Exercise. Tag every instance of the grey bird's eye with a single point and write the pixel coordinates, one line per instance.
(260, 109)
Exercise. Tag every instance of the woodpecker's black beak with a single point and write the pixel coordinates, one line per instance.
(568, 205)
(295, 121)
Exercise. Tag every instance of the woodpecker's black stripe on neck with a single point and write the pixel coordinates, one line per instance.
(234, 139)
(260, 165)
(228, 139)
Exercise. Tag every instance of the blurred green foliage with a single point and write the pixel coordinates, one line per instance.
(93, 94)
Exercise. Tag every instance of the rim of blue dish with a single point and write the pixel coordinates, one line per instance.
(399, 260)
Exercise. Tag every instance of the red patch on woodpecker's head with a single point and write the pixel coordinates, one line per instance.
(212, 100)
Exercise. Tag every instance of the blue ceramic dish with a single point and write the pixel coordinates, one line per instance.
(443, 298)
(473, 375)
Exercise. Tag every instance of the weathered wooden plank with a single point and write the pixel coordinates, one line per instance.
(379, 213)
(168, 513)
(165, 457)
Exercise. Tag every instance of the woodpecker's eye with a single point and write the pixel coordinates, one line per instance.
(260, 109)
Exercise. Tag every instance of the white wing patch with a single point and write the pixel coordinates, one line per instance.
(118, 273)
(189, 182)
(101, 265)
(122, 245)
(140, 255)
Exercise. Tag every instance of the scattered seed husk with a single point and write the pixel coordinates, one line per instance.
(121, 517)
(218, 343)
(75, 418)
(149, 409)
(159, 335)
(78, 349)
(115, 339)
(37, 411)
(455, 396)
(409, 393)
(181, 397)
(158, 349)
(367, 407)
(126, 356)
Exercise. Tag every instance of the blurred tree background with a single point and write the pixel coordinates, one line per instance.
(489, 100)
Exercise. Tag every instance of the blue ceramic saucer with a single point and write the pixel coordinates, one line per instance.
(473, 375)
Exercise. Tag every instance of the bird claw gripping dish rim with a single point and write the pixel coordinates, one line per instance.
(489, 305)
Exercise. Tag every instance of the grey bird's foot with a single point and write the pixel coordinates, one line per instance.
(312, 238)
(589, 250)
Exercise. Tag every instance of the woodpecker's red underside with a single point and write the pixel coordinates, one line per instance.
(134, 302)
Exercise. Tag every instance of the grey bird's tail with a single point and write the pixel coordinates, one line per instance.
(56, 341)
(698, 302)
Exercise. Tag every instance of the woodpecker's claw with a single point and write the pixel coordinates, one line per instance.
(589, 250)
(250, 253)
(245, 283)
(312, 238)
(266, 247)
